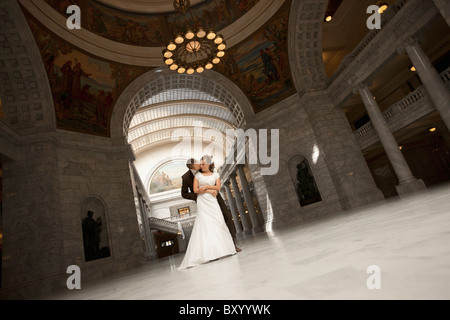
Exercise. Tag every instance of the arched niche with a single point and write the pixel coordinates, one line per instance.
(94, 228)
(303, 180)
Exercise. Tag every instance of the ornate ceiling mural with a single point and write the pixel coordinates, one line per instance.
(260, 65)
(153, 29)
(84, 87)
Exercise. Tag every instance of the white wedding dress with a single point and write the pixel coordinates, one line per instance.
(210, 237)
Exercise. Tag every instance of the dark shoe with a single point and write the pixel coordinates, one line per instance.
(238, 249)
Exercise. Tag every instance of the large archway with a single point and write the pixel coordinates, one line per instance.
(205, 87)
(162, 104)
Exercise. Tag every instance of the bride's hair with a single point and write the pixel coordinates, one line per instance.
(209, 160)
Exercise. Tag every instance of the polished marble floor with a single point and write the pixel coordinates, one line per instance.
(408, 240)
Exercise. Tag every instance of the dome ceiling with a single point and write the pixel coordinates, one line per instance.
(144, 6)
(156, 29)
(88, 69)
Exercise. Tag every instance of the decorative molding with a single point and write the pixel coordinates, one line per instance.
(136, 55)
(305, 45)
(24, 88)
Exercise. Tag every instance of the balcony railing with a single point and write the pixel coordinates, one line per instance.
(411, 108)
(365, 42)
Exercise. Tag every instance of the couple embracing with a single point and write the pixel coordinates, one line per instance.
(213, 235)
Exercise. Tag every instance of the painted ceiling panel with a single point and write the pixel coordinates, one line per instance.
(144, 29)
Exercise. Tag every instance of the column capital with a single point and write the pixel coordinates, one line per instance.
(358, 85)
(240, 168)
(410, 42)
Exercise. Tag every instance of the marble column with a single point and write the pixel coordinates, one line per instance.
(248, 197)
(431, 79)
(240, 204)
(407, 182)
(232, 205)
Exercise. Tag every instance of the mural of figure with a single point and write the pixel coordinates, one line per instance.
(121, 28)
(50, 67)
(95, 21)
(67, 78)
(269, 67)
(76, 82)
(276, 62)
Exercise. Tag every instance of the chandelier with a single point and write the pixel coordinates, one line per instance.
(194, 50)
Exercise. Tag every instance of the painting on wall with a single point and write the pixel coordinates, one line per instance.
(145, 29)
(260, 65)
(167, 177)
(84, 87)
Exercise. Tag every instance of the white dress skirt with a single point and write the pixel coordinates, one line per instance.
(210, 237)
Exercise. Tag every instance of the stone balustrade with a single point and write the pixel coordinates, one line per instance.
(367, 40)
(411, 108)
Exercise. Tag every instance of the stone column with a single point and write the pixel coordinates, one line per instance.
(248, 197)
(431, 79)
(232, 206)
(240, 204)
(407, 182)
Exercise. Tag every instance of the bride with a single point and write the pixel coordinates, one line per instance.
(210, 238)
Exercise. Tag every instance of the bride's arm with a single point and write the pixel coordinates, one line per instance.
(215, 187)
(196, 188)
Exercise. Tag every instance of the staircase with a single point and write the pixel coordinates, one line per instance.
(180, 226)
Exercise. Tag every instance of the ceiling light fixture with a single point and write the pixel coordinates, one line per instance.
(382, 5)
(194, 50)
(328, 18)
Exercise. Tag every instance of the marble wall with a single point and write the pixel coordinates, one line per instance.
(46, 189)
(319, 132)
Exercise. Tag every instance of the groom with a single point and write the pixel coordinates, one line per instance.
(187, 192)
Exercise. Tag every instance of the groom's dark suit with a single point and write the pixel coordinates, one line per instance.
(187, 192)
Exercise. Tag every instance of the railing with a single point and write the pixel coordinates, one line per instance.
(386, 17)
(409, 109)
(142, 208)
(179, 226)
